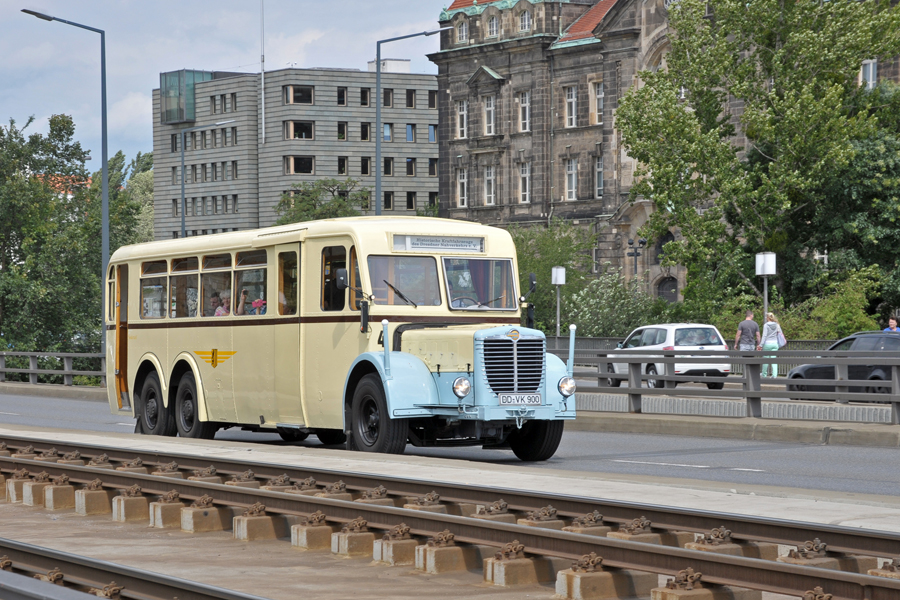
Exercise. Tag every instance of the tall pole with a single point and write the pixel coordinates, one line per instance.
(765, 299)
(262, 63)
(557, 314)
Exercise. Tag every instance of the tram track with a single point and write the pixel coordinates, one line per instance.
(764, 575)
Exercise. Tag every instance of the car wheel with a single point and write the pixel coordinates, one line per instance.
(156, 418)
(331, 437)
(878, 390)
(373, 428)
(187, 412)
(610, 382)
(653, 383)
(797, 387)
(289, 434)
(716, 385)
(537, 440)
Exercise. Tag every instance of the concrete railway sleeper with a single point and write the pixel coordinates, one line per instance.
(96, 577)
(521, 552)
(518, 503)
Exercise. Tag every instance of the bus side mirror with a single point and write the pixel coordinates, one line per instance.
(532, 279)
(340, 279)
(363, 316)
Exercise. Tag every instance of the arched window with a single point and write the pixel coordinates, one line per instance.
(462, 32)
(525, 21)
(660, 253)
(667, 289)
(493, 28)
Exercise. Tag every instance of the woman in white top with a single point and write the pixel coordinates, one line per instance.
(769, 341)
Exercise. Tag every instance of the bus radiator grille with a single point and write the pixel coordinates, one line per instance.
(513, 366)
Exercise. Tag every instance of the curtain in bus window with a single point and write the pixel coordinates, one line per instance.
(216, 292)
(415, 276)
(153, 298)
(287, 283)
(184, 295)
(333, 258)
(250, 292)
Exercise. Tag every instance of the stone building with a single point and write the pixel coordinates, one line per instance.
(317, 123)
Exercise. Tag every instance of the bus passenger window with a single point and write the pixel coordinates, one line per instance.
(184, 294)
(215, 289)
(250, 292)
(153, 298)
(287, 283)
(355, 282)
(333, 258)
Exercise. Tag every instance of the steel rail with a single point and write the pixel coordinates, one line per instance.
(87, 572)
(721, 569)
(761, 529)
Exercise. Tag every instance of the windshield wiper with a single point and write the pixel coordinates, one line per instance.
(399, 293)
(491, 301)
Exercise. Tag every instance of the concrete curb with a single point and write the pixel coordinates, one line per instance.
(67, 392)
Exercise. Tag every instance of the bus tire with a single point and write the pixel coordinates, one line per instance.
(156, 418)
(373, 429)
(331, 437)
(289, 434)
(537, 440)
(187, 411)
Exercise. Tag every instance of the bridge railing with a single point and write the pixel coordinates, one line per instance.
(639, 383)
(52, 367)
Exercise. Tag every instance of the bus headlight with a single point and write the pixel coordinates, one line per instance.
(566, 386)
(461, 387)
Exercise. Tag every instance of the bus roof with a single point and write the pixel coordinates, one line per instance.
(373, 230)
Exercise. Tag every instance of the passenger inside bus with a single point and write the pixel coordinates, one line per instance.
(225, 308)
(213, 305)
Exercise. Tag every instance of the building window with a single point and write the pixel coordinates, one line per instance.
(493, 27)
(668, 289)
(234, 203)
(462, 187)
(432, 198)
(411, 166)
(571, 179)
(525, 183)
(226, 138)
(226, 103)
(388, 98)
(410, 132)
(432, 167)
(342, 165)
(215, 171)
(175, 137)
(234, 169)
(234, 136)
(208, 203)
(204, 172)
(364, 96)
(432, 133)
(234, 101)
(462, 118)
(525, 21)
(193, 173)
(342, 96)
(299, 165)
(659, 253)
(598, 103)
(462, 32)
(213, 105)
(193, 139)
(571, 106)
(489, 186)
(299, 94)
(432, 98)
(174, 207)
(342, 131)
(174, 175)
(598, 177)
(227, 204)
(525, 111)
(364, 129)
(388, 132)
(410, 201)
(214, 134)
(488, 115)
(410, 98)
(869, 73)
(299, 130)
(388, 166)
(389, 201)
(365, 165)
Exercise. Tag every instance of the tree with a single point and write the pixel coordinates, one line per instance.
(792, 68)
(609, 307)
(539, 249)
(322, 199)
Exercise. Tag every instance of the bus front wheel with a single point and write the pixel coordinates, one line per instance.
(373, 428)
(187, 411)
(536, 440)
(156, 419)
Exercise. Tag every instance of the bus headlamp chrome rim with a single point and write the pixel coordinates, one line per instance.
(566, 386)
(461, 387)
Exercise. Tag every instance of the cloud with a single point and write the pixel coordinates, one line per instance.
(131, 117)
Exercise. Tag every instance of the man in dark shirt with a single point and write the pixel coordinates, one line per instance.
(747, 337)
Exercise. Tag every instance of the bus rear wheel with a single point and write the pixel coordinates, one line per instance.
(537, 440)
(373, 428)
(156, 419)
(187, 412)
(331, 437)
(289, 434)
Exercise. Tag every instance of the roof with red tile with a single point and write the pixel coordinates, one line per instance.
(584, 27)
(466, 4)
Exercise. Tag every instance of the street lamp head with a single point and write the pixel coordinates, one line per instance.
(35, 13)
(630, 242)
(225, 122)
(642, 242)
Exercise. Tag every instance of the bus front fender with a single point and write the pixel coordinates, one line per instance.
(409, 387)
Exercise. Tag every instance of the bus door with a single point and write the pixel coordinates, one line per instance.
(121, 339)
(286, 336)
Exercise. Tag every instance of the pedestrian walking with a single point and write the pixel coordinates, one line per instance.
(747, 337)
(772, 337)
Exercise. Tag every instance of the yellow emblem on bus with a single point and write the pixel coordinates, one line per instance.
(513, 334)
(214, 357)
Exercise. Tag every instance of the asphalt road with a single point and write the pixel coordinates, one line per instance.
(843, 469)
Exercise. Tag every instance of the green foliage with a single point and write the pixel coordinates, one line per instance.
(539, 249)
(322, 199)
(429, 210)
(608, 307)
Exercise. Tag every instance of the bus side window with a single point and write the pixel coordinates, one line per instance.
(355, 297)
(153, 298)
(333, 258)
(287, 283)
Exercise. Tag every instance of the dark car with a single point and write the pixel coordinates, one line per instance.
(863, 341)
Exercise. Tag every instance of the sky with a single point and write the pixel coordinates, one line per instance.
(52, 68)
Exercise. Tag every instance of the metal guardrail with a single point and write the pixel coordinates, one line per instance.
(751, 380)
(52, 359)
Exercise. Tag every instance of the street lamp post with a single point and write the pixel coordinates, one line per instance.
(379, 134)
(635, 251)
(765, 267)
(104, 180)
(184, 131)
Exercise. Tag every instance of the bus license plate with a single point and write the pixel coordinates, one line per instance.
(506, 399)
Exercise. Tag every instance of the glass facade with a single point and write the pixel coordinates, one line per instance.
(176, 94)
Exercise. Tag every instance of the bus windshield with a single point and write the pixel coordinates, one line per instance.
(414, 276)
(480, 283)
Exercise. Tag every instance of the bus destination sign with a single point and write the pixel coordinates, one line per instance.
(437, 243)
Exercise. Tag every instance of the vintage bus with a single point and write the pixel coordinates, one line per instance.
(372, 331)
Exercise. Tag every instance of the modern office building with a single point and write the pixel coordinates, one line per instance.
(245, 148)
